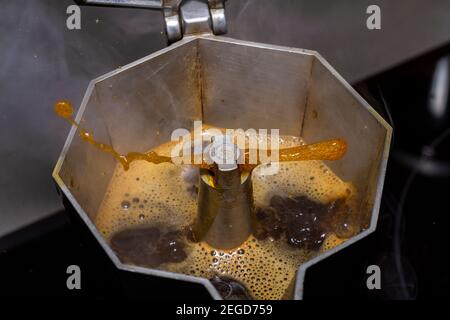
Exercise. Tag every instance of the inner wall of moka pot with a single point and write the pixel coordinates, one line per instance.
(227, 84)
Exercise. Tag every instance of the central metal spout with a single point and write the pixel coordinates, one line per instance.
(225, 203)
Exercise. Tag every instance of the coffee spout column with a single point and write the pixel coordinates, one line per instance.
(225, 203)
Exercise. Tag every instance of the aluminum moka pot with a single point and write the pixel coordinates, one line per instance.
(230, 84)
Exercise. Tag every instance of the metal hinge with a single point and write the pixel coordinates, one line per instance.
(182, 17)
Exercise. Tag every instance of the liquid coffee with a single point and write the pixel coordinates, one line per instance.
(305, 209)
(150, 207)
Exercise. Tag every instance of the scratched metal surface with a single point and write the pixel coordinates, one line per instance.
(41, 61)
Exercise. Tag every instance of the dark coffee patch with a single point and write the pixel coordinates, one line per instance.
(190, 234)
(230, 289)
(149, 246)
(270, 224)
(303, 222)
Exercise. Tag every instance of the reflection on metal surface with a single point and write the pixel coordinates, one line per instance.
(152, 4)
(440, 89)
(225, 209)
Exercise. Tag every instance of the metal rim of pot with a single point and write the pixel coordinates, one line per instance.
(173, 9)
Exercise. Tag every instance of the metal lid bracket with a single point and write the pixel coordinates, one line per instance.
(182, 17)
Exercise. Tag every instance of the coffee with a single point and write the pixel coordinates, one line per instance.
(150, 207)
(298, 216)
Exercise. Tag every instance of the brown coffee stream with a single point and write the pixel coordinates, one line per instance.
(326, 150)
(64, 109)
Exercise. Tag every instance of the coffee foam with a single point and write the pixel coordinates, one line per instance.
(166, 194)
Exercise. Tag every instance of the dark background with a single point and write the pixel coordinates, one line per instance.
(41, 61)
